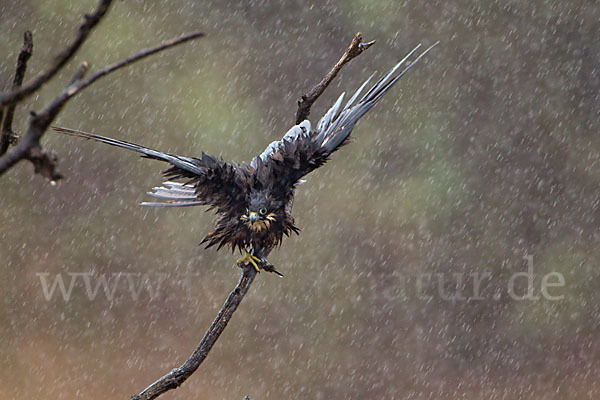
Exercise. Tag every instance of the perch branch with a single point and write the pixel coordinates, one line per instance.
(7, 133)
(176, 377)
(306, 100)
(91, 20)
(40, 122)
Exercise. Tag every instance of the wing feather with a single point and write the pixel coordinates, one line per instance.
(302, 150)
(209, 181)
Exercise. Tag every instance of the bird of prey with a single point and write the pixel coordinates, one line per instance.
(254, 201)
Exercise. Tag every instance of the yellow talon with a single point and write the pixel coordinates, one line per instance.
(249, 258)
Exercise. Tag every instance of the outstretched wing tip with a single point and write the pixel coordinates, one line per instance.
(333, 133)
(297, 154)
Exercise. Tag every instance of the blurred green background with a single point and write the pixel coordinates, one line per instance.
(484, 154)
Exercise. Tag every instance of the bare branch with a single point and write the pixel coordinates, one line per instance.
(40, 122)
(176, 377)
(91, 20)
(306, 101)
(51, 110)
(8, 135)
(77, 86)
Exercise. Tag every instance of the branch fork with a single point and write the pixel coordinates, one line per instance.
(176, 377)
(307, 100)
(29, 147)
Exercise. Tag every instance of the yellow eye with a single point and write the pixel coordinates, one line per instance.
(262, 211)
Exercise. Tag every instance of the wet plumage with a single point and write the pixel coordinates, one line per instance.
(253, 201)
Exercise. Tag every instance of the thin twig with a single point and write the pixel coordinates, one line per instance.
(40, 122)
(91, 20)
(24, 55)
(77, 86)
(306, 101)
(81, 71)
(176, 377)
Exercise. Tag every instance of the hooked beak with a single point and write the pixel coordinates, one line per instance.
(253, 217)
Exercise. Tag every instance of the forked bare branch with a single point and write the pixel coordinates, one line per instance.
(307, 100)
(176, 377)
(40, 121)
(90, 21)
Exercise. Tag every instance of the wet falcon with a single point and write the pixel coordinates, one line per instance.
(254, 201)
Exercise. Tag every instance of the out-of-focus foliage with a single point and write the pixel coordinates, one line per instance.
(484, 154)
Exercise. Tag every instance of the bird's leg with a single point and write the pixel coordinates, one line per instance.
(250, 259)
(265, 265)
(258, 262)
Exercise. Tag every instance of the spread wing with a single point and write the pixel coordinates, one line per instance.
(303, 150)
(208, 180)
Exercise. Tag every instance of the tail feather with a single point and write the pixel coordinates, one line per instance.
(161, 193)
(175, 195)
(173, 203)
(181, 190)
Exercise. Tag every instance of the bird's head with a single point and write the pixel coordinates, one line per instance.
(261, 211)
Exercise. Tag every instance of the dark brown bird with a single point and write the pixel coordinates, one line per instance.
(254, 201)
